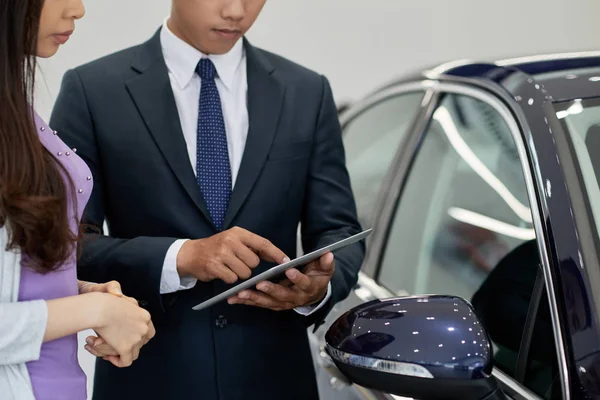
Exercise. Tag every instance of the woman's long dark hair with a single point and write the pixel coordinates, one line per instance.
(33, 195)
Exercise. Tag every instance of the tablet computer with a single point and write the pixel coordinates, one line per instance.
(281, 268)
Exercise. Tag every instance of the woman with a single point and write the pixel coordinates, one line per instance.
(44, 187)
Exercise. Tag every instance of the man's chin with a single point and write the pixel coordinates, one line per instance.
(220, 46)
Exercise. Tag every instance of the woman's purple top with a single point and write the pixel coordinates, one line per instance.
(57, 374)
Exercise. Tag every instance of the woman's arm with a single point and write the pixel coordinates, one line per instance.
(123, 325)
(25, 325)
(74, 314)
(70, 315)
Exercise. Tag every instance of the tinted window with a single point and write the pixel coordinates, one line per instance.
(371, 140)
(463, 227)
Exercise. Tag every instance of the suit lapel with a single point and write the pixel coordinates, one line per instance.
(265, 98)
(152, 93)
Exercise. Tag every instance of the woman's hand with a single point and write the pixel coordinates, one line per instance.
(112, 287)
(123, 326)
(97, 346)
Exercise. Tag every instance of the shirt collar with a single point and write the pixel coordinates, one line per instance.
(182, 58)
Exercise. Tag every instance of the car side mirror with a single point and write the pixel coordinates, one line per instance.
(426, 347)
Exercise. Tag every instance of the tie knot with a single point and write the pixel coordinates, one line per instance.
(206, 69)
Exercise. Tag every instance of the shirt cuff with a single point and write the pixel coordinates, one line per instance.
(170, 281)
(309, 310)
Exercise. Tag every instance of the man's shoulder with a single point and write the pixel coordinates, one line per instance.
(290, 71)
(114, 65)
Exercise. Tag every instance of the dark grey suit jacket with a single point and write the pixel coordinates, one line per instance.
(120, 114)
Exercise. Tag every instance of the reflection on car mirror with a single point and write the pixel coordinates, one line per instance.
(426, 347)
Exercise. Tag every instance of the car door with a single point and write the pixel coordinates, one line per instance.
(373, 131)
(458, 220)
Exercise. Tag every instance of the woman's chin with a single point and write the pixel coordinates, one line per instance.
(48, 50)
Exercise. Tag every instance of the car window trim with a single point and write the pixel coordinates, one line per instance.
(407, 147)
(363, 105)
(358, 109)
(532, 313)
(496, 101)
(513, 388)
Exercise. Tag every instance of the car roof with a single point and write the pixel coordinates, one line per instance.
(531, 65)
(550, 69)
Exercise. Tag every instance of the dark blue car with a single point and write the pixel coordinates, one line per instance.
(481, 181)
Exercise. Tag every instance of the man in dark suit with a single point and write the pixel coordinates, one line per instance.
(195, 139)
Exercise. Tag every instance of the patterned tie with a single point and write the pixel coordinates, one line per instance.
(212, 165)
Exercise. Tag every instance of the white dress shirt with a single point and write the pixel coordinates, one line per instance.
(232, 84)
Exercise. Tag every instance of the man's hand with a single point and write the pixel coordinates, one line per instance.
(299, 290)
(228, 256)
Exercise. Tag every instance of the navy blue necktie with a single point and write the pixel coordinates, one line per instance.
(212, 165)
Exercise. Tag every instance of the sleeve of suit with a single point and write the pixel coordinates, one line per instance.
(329, 210)
(136, 263)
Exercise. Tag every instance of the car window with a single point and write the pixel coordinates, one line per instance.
(371, 140)
(463, 226)
(580, 118)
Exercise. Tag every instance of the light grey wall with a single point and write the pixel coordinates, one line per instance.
(357, 44)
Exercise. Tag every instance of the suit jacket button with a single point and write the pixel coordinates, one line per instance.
(221, 321)
(143, 303)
